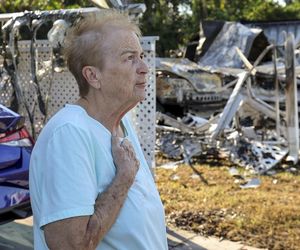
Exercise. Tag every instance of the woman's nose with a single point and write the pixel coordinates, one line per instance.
(143, 68)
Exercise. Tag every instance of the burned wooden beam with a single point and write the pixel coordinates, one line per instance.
(291, 100)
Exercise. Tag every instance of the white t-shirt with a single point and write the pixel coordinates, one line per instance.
(71, 163)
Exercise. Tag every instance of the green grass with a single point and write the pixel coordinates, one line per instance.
(267, 217)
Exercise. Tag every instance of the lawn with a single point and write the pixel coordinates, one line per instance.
(207, 199)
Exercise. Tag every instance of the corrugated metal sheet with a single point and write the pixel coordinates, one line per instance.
(222, 51)
(274, 30)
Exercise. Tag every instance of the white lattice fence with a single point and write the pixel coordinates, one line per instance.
(144, 114)
(64, 90)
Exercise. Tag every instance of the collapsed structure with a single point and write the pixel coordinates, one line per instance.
(240, 99)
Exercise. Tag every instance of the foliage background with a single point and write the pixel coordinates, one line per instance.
(177, 21)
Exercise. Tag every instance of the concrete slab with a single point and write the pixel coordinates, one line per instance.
(17, 235)
(184, 240)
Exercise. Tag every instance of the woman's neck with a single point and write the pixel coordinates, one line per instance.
(108, 117)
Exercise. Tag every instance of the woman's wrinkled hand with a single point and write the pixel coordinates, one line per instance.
(124, 157)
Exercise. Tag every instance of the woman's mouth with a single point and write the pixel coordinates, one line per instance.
(141, 85)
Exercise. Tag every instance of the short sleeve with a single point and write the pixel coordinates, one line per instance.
(69, 187)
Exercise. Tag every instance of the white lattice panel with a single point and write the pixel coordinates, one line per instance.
(144, 113)
(64, 90)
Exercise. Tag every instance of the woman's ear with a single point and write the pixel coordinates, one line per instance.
(92, 76)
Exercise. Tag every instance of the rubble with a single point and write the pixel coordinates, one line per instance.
(252, 183)
(184, 85)
(221, 52)
(245, 108)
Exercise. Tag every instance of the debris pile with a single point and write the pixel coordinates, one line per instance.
(236, 101)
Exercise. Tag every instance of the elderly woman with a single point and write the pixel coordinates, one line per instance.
(90, 184)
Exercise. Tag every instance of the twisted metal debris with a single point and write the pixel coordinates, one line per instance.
(257, 128)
